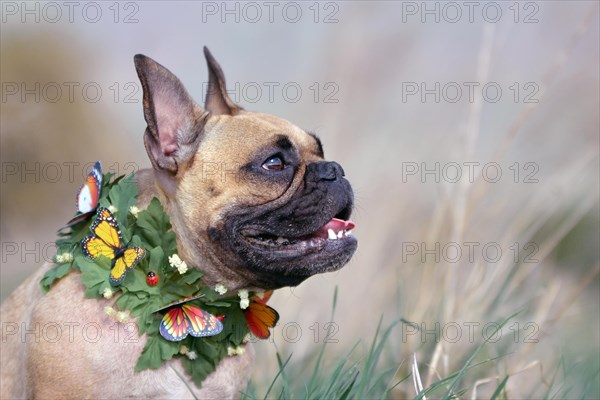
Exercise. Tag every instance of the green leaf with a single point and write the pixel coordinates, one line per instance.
(122, 196)
(155, 352)
(148, 320)
(192, 277)
(235, 327)
(53, 274)
(142, 300)
(209, 355)
(106, 183)
(128, 195)
(94, 274)
(154, 227)
(185, 285)
(127, 301)
(157, 258)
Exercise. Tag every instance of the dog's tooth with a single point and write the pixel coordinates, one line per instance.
(331, 234)
(340, 234)
(348, 233)
(281, 240)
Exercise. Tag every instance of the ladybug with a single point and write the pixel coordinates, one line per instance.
(152, 278)
(221, 317)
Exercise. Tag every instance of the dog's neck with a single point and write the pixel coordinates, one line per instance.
(214, 271)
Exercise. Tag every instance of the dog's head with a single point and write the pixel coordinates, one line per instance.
(250, 195)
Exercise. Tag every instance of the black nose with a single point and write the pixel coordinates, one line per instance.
(329, 170)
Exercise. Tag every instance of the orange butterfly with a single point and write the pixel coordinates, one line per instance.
(178, 322)
(88, 194)
(260, 317)
(107, 241)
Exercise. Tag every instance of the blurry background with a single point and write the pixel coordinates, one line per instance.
(404, 95)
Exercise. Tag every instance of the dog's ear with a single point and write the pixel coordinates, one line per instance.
(174, 119)
(217, 101)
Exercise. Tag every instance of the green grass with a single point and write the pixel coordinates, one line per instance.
(326, 374)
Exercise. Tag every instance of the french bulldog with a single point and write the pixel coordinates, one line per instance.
(253, 204)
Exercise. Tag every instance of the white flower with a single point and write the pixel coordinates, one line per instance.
(176, 262)
(122, 316)
(134, 211)
(107, 293)
(191, 355)
(182, 268)
(244, 301)
(220, 288)
(235, 351)
(247, 338)
(63, 258)
(260, 295)
(109, 311)
(112, 209)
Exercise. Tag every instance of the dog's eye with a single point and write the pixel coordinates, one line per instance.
(274, 163)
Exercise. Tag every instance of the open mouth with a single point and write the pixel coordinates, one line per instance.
(283, 247)
(335, 232)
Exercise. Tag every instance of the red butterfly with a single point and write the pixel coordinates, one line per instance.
(186, 319)
(260, 317)
(88, 194)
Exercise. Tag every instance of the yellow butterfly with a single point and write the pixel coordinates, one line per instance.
(106, 241)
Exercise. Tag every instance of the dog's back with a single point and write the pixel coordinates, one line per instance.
(15, 313)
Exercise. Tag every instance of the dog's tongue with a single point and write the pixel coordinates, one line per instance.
(336, 225)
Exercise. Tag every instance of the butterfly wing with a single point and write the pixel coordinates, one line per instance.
(89, 192)
(78, 218)
(201, 323)
(107, 229)
(106, 238)
(127, 261)
(174, 325)
(178, 322)
(260, 317)
(93, 247)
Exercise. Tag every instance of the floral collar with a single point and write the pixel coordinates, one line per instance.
(154, 278)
